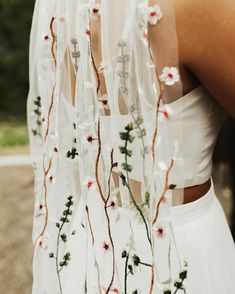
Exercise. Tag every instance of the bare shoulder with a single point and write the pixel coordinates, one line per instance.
(206, 31)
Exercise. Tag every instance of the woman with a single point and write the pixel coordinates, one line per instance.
(122, 128)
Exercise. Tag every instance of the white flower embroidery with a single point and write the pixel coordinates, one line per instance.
(40, 209)
(95, 10)
(162, 165)
(170, 75)
(166, 112)
(51, 178)
(90, 183)
(42, 242)
(154, 14)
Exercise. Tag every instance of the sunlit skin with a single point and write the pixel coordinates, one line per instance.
(206, 35)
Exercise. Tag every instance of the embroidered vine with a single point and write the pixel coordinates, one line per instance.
(128, 138)
(63, 237)
(106, 199)
(123, 74)
(37, 113)
(75, 53)
(73, 152)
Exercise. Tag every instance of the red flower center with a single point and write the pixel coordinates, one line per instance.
(170, 75)
(160, 232)
(106, 246)
(112, 204)
(46, 37)
(88, 33)
(166, 114)
(40, 206)
(105, 102)
(89, 184)
(95, 10)
(153, 14)
(90, 139)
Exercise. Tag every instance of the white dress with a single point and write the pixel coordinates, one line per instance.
(106, 165)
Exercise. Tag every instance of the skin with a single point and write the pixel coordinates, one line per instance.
(206, 33)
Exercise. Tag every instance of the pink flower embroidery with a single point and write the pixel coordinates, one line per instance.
(90, 183)
(154, 14)
(170, 75)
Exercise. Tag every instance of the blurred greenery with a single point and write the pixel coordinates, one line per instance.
(13, 134)
(15, 21)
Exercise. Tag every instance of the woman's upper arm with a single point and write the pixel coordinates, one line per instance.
(206, 31)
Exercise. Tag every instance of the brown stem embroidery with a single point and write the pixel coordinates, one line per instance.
(53, 40)
(46, 171)
(164, 192)
(105, 201)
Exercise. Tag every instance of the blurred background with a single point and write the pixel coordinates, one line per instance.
(16, 178)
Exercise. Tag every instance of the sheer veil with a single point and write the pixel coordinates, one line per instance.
(99, 111)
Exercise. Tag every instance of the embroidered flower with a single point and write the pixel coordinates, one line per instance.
(166, 112)
(170, 75)
(160, 232)
(95, 10)
(87, 34)
(51, 178)
(104, 102)
(106, 246)
(144, 36)
(90, 183)
(40, 209)
(42, 243)
(90, 139)
(46, 37)
(44, 122)
(154, 14)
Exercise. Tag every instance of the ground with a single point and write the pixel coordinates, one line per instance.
(16, 211)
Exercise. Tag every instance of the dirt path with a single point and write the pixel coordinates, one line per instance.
(16, 210)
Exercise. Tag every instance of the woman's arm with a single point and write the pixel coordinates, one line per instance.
(206, 32)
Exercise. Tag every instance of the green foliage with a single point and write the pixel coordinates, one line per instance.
(13, 134)
(15, 21)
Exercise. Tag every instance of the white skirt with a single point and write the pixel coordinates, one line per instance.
(203, 240)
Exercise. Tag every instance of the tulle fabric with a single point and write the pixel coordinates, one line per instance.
(99, 162)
